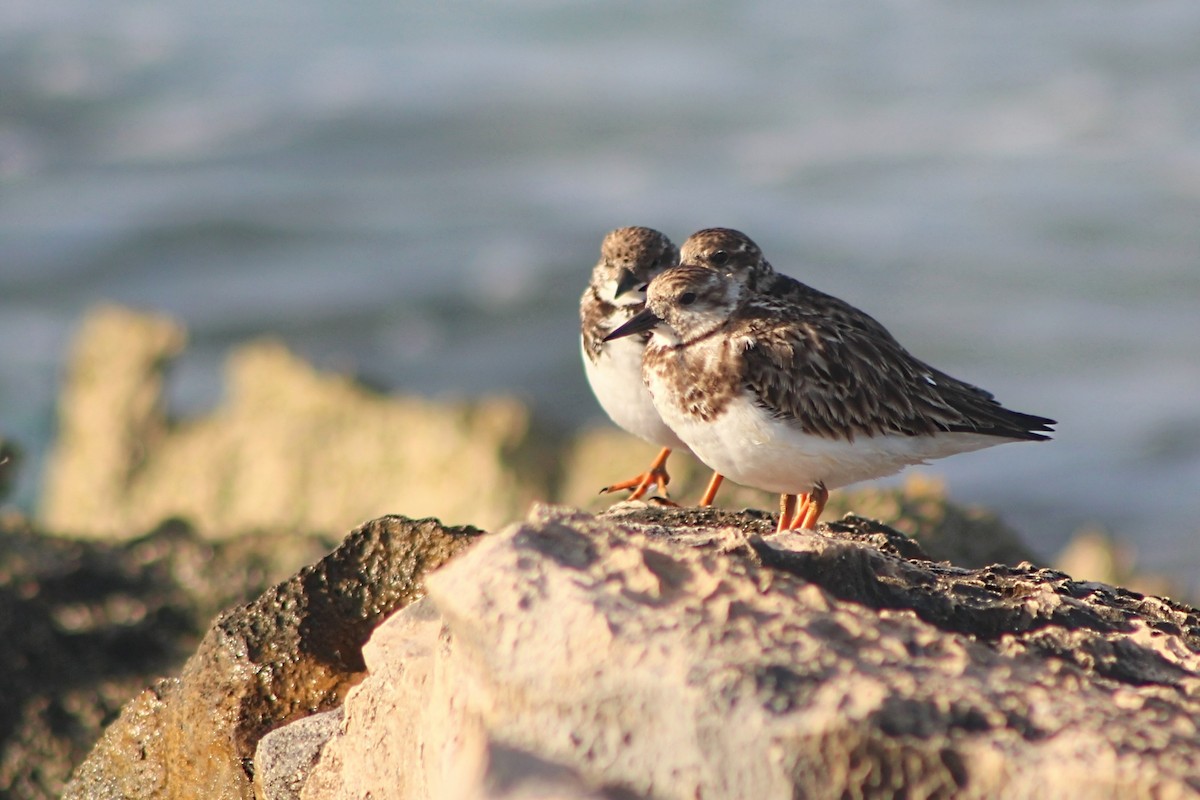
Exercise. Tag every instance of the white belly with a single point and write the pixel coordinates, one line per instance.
(747, 445)
(616, 379)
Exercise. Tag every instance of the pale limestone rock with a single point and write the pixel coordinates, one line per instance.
(414, 741)
(682, 654)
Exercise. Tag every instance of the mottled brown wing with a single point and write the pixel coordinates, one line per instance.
(826, 367)
(792, 292)
(593, 313)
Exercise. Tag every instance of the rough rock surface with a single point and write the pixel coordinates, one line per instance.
(290, 653)
(85, 625)
(692, 653)
(285, 756)
(291, 448)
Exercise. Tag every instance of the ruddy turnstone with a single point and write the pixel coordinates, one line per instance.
(787, 389)
(629, 258)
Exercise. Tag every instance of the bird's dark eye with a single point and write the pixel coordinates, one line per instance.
(719, 259)
(687, 298)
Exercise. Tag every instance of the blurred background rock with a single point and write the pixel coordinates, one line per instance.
(289, 449)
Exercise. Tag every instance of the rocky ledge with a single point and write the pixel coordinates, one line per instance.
(652, 652)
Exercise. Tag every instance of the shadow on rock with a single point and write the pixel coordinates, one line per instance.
(290, 653)
(86, 625)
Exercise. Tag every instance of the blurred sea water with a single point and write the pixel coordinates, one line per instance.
(416, 192)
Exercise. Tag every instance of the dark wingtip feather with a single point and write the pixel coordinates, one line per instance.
(1031, 424)
(1013, 425)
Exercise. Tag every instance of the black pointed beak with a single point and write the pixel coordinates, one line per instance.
(644, 320)
(627, 281)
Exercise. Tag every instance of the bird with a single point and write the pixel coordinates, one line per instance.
(629, 258)
(784, 388)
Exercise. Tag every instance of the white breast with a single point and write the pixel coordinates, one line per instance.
(747, 445)
(616, 380)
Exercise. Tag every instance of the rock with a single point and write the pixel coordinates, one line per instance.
(292, 652)
(403, 656)
(1093, 555)
(290, 449)
(86, 625)
(285, 756)
(419, 712)
(648, 651)
(693, 653)
(110, 420)
(963, 535)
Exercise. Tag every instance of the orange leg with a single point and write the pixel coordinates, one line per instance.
(657, 474)
(792, 508)
(711, 492)
(787, 510)
(805, 501)
(812, 510)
